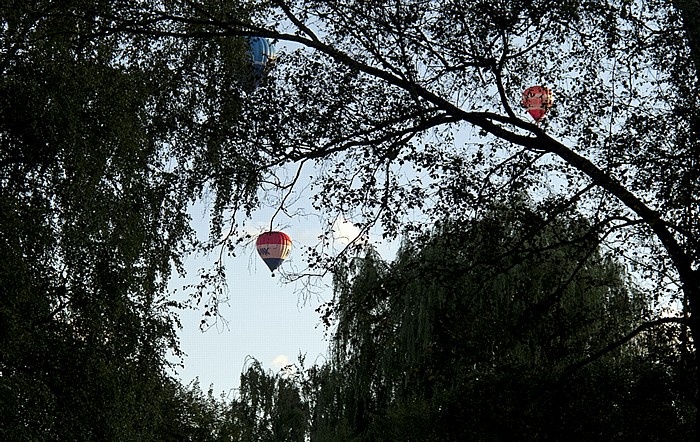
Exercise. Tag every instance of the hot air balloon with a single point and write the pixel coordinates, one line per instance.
(537, 100)
(260, 52)
(273, 248)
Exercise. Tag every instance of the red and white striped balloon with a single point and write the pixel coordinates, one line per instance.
(273, 248)
(537, 100)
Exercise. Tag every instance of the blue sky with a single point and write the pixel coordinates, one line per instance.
(265, 317)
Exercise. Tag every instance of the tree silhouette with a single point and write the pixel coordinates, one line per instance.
(478, 331)
(409, 111)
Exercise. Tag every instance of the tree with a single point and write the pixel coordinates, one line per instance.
(483, 331)
(98, 163)
(386, 86)
(269, 407)
(377, 101)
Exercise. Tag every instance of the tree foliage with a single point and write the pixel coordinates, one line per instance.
(485, 331)
(102, 137)
(116, 115)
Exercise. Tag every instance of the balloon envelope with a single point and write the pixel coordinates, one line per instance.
(273, 248)
(537, 100)
(260, 52)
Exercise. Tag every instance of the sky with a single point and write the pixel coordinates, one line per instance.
(265, 317)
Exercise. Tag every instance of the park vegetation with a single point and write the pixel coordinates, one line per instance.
(549, 278)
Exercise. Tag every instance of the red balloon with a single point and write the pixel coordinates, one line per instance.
(537, 100)
(273, 248)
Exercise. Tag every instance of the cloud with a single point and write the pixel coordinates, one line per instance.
(279, 362)
(345, 232)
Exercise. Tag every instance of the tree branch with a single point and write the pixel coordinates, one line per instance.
(618, 343)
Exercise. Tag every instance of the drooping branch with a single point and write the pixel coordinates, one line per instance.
(290, 186)
(690, 13)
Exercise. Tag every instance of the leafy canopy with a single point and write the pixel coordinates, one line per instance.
(484, 330)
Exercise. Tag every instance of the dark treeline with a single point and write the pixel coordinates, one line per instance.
(484, 331)
(501, 318)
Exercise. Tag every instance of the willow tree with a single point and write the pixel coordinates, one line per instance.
(101, 136)
(269, 407)
(484, 330)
